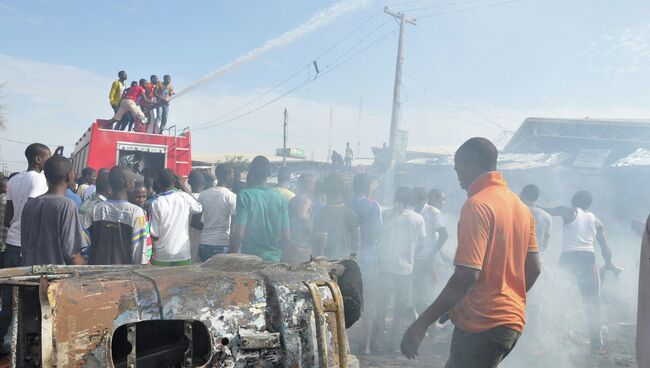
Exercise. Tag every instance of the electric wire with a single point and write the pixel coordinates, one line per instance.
(327, 70)
(309, 65)
(457, 104)
(491, 5)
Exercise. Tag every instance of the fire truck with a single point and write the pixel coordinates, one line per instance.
(102, 147)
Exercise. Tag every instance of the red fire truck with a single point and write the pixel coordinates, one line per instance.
(103, 147)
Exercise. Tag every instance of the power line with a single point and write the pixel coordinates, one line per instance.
(327, 70)
(250, 102)
(468, 9)
(458, 105)
(444, 5)
(28, 143)
(340, 41)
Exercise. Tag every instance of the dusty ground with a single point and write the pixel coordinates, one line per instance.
(570, 350)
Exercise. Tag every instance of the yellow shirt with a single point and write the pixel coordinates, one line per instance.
(116, 93)
(286, 193)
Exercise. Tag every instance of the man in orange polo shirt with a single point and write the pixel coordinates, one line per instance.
(497, 262)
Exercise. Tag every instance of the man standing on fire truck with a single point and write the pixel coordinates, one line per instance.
(128, 104)
(116, 90)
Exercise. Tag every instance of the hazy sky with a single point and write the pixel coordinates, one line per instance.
(472, 67)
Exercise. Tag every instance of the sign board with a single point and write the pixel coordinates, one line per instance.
(291, 153)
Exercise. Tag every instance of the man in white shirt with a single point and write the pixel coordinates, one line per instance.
(403, 231)
(543, 221)
(218, 210)
(582, 231)
(22, 187)
(170, 218)
(424, 275)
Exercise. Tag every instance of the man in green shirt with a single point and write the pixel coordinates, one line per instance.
(262, 220)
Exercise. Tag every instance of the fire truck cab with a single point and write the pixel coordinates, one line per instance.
(102, 147)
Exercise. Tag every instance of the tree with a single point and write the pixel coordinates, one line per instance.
(238, 162)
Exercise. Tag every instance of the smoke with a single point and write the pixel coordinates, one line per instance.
(319, 20)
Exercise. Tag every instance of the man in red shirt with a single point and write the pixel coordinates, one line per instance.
(497, 262)
(128, 104)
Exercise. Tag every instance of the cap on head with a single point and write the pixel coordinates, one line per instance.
(582, 199)
(57, 170)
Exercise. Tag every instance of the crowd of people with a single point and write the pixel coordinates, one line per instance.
(143, 106)
(113, 216)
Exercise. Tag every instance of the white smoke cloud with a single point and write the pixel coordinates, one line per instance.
(321, 19)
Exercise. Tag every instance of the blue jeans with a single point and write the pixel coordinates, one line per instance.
(163, 112)
(207, 251)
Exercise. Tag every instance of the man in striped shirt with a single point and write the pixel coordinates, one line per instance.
(119, 230)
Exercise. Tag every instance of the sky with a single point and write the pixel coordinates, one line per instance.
(471, 68)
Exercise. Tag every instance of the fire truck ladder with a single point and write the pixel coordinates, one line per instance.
(176, 150)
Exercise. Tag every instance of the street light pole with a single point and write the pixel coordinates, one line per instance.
(395, 115)
(284, 138)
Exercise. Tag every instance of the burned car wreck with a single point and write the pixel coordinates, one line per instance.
(231, 311)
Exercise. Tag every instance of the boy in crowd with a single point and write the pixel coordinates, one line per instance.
(337, 222)
(368, 212)
(50, 229)
(581, 233)
(21, 188)
(102, 192)
(219, 205)
(262, 220)
(119, 229)
(424, 277)
(139, 195)
(403, 230)
(170, 213)
(88, 179)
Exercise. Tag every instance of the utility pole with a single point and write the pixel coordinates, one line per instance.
(329, 150)
(359, 128)
(394, 120)
(284, 140)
